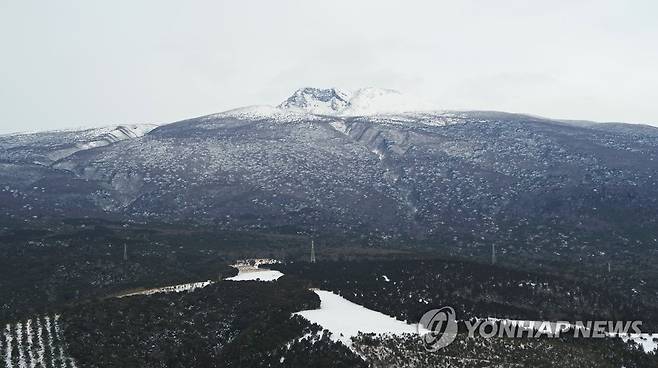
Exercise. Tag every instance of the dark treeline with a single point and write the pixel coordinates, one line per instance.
(565, 352)
(227, 324)
(408, 288)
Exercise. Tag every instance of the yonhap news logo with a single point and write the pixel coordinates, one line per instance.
(438, 328)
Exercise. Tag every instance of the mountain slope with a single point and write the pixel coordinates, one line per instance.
(453, 177)
(47, 147)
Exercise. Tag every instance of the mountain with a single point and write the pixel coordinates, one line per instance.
(329, 161)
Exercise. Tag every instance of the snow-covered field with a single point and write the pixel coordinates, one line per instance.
(37, 342)
(346, 319)
(246, 272)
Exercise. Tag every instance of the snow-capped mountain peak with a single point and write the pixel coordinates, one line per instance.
(327, 101)
(365, 101)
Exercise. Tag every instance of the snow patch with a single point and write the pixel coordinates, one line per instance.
(170, 289)
(339, 126)
(249, 273)
(9, 338)
(345, 319)
(249, 269)
(648, 342)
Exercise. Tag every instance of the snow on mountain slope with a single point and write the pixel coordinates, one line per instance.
(261, 112)
(315, 105)
(374, 101)
(61, 136)
(441, 174)
(117, 134)
(44, 148)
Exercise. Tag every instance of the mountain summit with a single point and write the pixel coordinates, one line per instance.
(328, 101)
(364, 101)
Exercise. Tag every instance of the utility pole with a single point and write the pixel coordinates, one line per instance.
(125, 252)
(493, 254)
(609, 267)
(312, 251)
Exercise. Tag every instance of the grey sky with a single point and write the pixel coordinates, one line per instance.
(81, 63)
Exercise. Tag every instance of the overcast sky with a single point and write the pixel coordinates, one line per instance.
(85, 63)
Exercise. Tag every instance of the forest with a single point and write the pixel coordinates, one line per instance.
(78, 267)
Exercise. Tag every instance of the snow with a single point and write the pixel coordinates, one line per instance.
(339, 126)
(26, 344)
(101, 137)
(255, 262)
(81, 133)
(41, 352)
(169, 289)
(378, 109)
(248, 269)
(362, 102)
(118, 134)
(19, 340)
(645, 340)
(319, 101)
(248, 112)
(30, 340)
(345, 319)
(248, 273)
(374, 101)
(9, 338)
(50, 341)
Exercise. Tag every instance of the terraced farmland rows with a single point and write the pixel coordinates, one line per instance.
(34, 343)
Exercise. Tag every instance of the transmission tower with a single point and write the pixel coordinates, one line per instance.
(312, 252)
